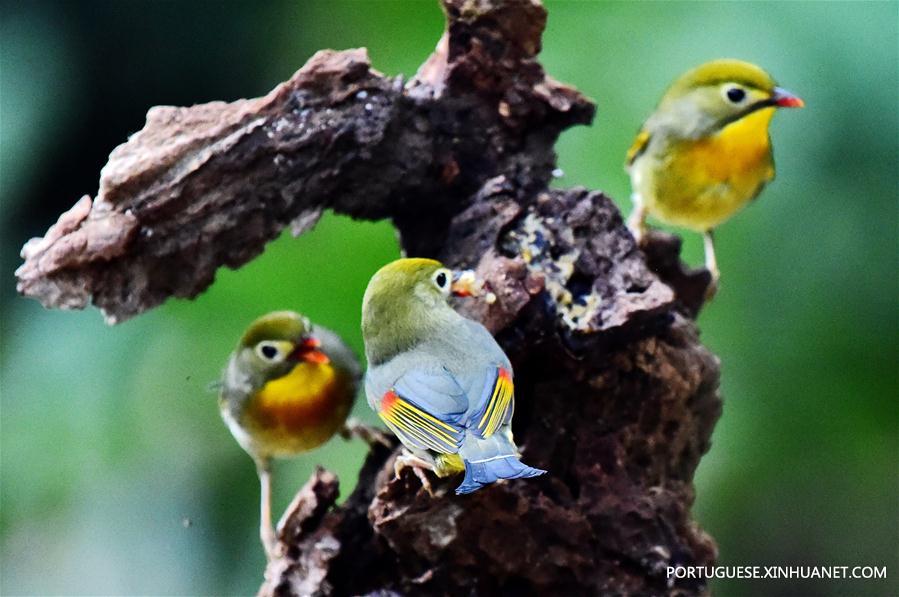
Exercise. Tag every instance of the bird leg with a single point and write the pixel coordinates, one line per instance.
(711, 263)
(636, 222)
(266, 530)
(418, 465)
(370, 435)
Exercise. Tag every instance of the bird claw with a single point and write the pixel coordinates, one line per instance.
(712, 289)
(636, 222)
(638, 231)
(372, 436)
(273, 550)
(711, 264)
(418, 466)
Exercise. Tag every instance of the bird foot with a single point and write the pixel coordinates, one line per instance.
(711, 264)
(418, 465)
(712, 289)
(273, 551)
(638, 231)
(636, 222)
(372, 436)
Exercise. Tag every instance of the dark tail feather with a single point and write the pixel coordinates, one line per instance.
(479, 474)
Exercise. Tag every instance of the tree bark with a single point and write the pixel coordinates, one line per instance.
(616, 397)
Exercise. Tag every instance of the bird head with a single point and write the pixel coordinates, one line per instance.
(711, 96)
(406, 300)
(275, 343)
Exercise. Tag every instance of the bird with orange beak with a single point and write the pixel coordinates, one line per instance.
(705, 152)
(287, 389)
(437, 379)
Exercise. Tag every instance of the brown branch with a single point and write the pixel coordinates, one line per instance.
(209, 185)
(616, 397)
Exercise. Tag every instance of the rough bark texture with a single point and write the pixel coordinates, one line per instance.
(616, 397)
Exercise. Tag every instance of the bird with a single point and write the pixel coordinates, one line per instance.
(438, 380)
(287, 389)
(706, 151)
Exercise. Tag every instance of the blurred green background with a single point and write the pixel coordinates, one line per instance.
(118, 476)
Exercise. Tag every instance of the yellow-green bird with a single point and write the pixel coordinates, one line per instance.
(437, 379)
(287, 388)
(705, 152)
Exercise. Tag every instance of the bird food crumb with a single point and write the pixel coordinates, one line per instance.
(536, 242)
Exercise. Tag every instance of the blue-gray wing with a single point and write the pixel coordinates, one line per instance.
(422, 407)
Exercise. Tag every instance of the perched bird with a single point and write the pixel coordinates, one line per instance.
(705, 152)
(439, 381)
(287, 388)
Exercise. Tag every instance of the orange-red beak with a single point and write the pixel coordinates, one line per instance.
(784, 99)
(464, 283)
(309, 352)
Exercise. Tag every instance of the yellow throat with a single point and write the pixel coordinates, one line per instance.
(701, 183)
(300, 410)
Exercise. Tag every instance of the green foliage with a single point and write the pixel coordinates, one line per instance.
(111, 440)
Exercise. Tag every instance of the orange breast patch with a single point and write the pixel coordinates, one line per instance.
(300, 410)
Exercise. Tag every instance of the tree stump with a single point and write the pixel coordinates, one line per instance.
(616, 397)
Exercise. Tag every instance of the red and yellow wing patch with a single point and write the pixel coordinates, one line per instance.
(417, 428)
(499, 407)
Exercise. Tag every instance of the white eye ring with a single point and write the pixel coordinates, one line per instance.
(442, 279)
(733, 93)
(270, 352)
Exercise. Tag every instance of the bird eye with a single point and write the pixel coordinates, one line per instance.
(441, 279)
(269, 351)
(735, 94)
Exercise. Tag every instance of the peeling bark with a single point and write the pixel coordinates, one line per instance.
(206, 186)
(616, 397)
